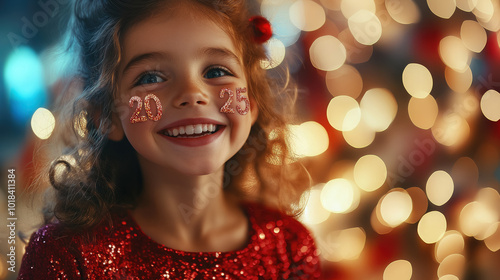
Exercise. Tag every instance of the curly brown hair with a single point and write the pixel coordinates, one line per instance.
(96, 174)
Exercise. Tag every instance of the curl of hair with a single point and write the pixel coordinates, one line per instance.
(96, 174)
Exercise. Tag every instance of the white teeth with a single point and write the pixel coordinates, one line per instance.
(198, 129)
(191, 129)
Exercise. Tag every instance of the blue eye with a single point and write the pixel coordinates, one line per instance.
(217, 72)
(149, 78)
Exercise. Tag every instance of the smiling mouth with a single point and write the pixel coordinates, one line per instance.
(191, 131)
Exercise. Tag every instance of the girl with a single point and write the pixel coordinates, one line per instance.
(179, 153)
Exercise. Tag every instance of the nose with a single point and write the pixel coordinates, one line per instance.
(190, 94)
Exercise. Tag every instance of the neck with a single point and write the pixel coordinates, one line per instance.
(180, 208)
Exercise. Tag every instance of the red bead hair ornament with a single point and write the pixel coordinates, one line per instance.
(261, 28)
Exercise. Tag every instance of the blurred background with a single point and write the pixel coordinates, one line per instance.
(398, 125)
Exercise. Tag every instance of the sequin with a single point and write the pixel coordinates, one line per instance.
(135, 118)
(240, 98)
(226, 108)
(147, 107)
(286, 253)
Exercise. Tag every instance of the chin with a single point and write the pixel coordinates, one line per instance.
(200, 169)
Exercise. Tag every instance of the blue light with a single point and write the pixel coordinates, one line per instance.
(23, 75)
(279, 16)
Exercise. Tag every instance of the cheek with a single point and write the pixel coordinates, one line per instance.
(140, 136)
(241, 125)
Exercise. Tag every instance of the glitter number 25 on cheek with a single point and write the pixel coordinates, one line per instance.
(135, 118)
(226, 108)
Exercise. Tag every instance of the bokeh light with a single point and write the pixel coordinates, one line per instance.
(343, 113)
(417, 80)
(423, 111)
(419, 203)
(458, 81)
(24, 82)
(398, 270)
(340, 196)
(346, 244)
(356, 52)
(432, 227)
(403, 11)
(396, 207)
(442, 8)
(484, 10)
(275, 54)
(448, 277)
(359, 137)
(478, 220)
(473, 35)
(467, 5)
(349, 8)
(43, 123)
(278, 13)
(378, 108)
(377, 222)
(307, 15)
(314, 213)
(327, 53)
(452, 265)
(370, 173)
(490, 102)
(439, 187)
(308, 139)
(493, 241)
(452, 243)
(454, 53)
(365, 26)
(346, 80)
(451, 130)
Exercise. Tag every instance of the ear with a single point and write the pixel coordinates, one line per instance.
(116, 132)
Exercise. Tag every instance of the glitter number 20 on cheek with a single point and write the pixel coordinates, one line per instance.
(226, 108)
(135, 118)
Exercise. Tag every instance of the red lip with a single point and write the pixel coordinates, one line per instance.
(193, 141)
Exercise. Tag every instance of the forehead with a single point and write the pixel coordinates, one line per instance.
(184, 25)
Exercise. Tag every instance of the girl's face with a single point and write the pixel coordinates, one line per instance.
(185, 61)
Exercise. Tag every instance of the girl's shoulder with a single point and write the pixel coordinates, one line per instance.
(268, 222)
(275, 232)
(58, 252)
(49, 252)
(273, 219)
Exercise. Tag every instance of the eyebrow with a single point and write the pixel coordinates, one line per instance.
(142, 57)
(210, 51)
(221, 52)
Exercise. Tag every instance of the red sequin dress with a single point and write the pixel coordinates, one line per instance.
(279, 247)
